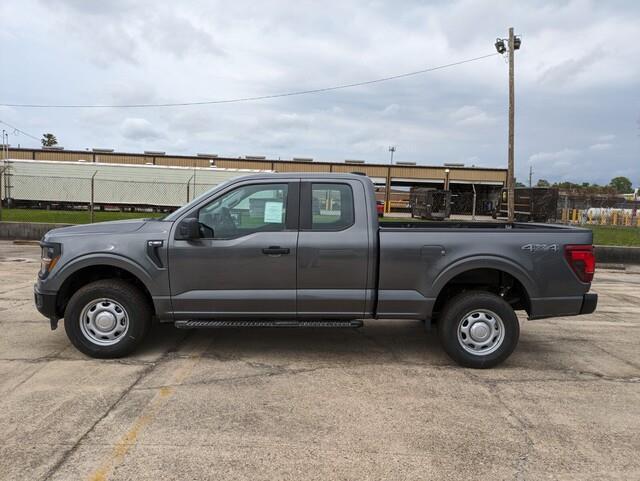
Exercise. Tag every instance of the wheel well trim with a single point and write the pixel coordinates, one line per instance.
(96, 260)
(484, 262)
(105, 260)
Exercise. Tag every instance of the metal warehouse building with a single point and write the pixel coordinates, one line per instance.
(393, 181)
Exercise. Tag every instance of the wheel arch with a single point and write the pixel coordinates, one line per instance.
(492, 274)
(90, 269)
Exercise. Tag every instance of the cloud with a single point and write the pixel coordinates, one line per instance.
(558, 159)
(179, 36)
(573, 88)
(391, 109)
(606, 138)
(567, 70)
(139, 129)
(471, 116)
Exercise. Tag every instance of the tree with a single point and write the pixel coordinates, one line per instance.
(543, 183)
(520, 184)
(48, 140)
(622, 185)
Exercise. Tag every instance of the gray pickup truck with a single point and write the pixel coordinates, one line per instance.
(306, 250)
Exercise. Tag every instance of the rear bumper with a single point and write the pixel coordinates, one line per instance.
(545, 307)
(589, 303)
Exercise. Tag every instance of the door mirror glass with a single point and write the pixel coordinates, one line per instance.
(188, 229)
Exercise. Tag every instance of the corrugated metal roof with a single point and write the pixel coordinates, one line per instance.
(377, 170)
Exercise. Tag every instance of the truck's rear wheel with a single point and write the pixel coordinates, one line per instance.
(107, 318)
(478, 329)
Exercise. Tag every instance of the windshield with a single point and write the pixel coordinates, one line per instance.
(177, 213)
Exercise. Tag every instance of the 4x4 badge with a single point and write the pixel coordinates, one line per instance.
(540, 247)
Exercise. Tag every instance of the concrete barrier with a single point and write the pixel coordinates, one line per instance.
(617, 255)
(25, 230)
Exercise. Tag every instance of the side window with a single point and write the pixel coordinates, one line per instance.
(245, 210)
(331, 206)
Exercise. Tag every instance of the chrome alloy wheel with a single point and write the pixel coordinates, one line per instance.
(480, 332)
(104, 322)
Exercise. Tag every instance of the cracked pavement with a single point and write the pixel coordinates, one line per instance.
(381, 402)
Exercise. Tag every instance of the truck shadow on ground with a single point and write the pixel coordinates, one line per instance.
(382, 340)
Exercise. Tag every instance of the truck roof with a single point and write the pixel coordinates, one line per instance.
(305, 175)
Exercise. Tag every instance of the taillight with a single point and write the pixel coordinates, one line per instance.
(582, 260)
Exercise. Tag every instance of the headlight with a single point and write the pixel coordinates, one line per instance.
(50, 255)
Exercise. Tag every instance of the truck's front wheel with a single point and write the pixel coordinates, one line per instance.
(478, 329)
(107, 318)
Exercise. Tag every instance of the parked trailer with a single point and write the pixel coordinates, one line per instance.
(429, 203)
(54, 184)
(536, 204)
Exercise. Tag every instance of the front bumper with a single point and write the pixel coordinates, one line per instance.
(589, 303)
(46, 305)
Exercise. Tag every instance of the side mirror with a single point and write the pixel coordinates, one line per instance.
(188, 229)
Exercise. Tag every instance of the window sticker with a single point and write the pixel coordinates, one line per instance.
(273, 212)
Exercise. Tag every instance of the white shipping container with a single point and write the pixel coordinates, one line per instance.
(114, 184)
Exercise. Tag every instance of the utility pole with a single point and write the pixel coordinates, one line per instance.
(511, 204)
(392, 149)
(530, 175)
(5, 151)
(513, 44)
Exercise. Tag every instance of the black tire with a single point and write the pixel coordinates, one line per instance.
(118, 295)
(486, 305)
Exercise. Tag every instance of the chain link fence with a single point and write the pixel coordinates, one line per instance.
(608, 210)
(79, 200)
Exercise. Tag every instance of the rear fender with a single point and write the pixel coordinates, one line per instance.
(485, 262)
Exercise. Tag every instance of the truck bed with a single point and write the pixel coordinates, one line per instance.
(418, 258)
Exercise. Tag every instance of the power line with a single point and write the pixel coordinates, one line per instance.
(17, 130)
(250, 99)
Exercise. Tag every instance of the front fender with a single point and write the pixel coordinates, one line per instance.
(55, 282)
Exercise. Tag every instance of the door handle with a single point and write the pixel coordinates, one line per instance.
(275, 250)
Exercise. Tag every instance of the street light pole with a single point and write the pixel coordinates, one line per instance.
(392, 149)
(510, 168)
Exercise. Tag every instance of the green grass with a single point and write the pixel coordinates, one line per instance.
(605, 235)
(68, 216)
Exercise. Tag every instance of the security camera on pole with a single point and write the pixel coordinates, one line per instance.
(513, 44)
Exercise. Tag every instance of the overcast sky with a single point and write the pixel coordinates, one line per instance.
(577, 80)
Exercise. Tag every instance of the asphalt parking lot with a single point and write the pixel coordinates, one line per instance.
(381, 402)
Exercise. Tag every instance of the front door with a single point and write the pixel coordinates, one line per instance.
(244, 264)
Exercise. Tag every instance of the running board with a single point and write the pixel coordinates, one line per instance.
(217, 324)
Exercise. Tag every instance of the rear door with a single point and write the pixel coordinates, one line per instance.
(333, 250)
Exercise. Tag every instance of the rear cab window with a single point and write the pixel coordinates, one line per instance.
(331, 207)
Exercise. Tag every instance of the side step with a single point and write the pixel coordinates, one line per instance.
(218, 324)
